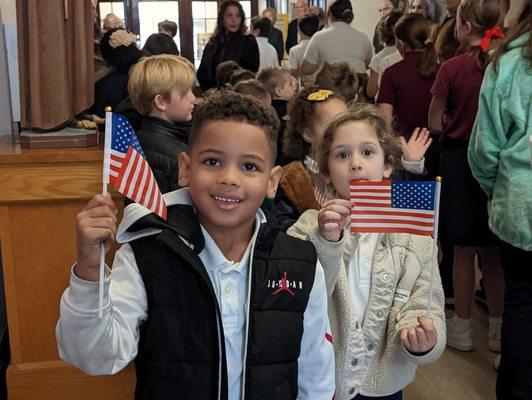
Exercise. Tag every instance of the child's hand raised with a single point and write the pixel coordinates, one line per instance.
(95, 224)
(332, 218)
(421, 338)
(417, 145)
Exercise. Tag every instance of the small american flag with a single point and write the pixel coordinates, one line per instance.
(393, 207)
(127, 169)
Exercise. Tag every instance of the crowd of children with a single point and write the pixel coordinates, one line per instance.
(254, 287)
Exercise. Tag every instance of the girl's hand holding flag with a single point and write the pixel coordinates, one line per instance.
(332, 218)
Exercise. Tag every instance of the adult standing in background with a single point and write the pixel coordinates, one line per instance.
(423, 7)
(275, 37)
(301, 8)
(386, 7)
(229, 42)
(339, 42)
(499, 157)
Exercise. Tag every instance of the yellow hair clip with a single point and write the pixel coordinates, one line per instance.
(320, 95)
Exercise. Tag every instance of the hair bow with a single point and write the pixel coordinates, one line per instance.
(320, 95)
(493, 33)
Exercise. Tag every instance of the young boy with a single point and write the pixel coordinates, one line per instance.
(160, 88)
(282, 87)
(215, 302)
(260, 28)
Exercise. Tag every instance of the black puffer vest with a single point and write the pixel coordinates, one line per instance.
(181, 352)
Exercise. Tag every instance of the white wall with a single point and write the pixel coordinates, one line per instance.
(366, 15)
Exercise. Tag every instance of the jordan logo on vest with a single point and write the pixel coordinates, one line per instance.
(284, 285)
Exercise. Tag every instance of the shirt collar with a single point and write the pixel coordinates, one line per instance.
(213, 257)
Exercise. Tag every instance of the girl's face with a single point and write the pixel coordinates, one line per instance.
(355, 154)
(325, 111)
(232, 19)
(419, 7)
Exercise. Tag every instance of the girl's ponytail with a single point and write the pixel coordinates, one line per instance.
(429, 61)
(415, 31)
(484, 17)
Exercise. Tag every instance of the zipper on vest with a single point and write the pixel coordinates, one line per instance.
(248, 302)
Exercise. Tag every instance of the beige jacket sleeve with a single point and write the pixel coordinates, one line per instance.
(330, 254)
(419, 255)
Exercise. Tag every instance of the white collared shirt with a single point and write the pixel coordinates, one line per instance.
(107, 345)
(359, 273)
(267, 54)
(230, 281)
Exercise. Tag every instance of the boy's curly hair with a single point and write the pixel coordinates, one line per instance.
(340, 78)
(371, 115)
(228, 105)
(300, 115)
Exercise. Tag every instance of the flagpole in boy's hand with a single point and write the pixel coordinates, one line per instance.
(105, 181)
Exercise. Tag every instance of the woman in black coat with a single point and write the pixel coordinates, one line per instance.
(229, 42)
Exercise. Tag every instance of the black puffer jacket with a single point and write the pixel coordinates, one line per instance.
(162, 141)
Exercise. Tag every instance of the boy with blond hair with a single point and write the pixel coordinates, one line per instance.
(215, 303)
(160, 88)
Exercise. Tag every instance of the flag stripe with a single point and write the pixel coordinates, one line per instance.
(390, 225)
(138, 181)
(394, 229)
(389, 210)
(134, 175)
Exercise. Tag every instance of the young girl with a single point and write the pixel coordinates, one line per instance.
(500, 157)
(464, 218)
(308, 113)
(404, 93)
(378, 284)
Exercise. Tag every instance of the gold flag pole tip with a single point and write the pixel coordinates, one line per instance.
(438, 179)
(108, 109)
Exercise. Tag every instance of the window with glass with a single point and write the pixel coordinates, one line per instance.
(153, 12)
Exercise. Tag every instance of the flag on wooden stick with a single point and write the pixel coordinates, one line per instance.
(389, 206)
(125, 166)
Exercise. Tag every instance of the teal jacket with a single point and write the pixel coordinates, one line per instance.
(499, 151)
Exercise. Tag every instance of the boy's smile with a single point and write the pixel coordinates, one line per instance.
(229, 172)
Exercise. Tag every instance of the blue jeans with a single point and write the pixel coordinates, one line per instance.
(395, 396)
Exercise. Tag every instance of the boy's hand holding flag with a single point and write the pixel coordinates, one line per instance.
(127, 169)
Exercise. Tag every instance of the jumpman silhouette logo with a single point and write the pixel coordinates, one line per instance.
(283, 287)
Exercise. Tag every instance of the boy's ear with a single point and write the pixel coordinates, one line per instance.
(307, 135)
(159, 102)
(387, 171)
(278, 91)
(184, 170)
(273, 182)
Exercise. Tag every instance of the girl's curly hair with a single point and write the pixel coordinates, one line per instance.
(371, 115)
(301, 113)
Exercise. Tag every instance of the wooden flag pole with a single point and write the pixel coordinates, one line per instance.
(435, 243)
(105, 181)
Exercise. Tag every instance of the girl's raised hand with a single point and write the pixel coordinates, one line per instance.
(421, 338)
(414, 150)
(332, 218)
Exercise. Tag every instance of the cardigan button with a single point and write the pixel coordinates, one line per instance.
(354, 362)
(352, 390)
(380, 313)
(385, 276)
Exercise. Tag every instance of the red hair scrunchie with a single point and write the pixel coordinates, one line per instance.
(493, 33)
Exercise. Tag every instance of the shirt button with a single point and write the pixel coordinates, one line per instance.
(227, 289)
(354, 362)
(385, 276)
(370, 347)
(352, 390)
(383, 244)
(380, 313)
